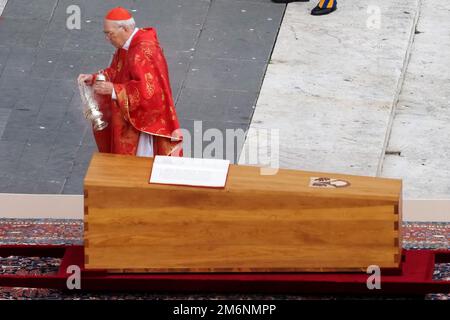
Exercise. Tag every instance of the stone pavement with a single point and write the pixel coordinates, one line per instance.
(364, 91)
(217, 53)
(2, 5)
(419, 145)
(331, 85)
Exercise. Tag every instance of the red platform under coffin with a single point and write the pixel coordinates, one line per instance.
(415, 277)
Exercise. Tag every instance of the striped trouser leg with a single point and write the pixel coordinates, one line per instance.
(326, 3)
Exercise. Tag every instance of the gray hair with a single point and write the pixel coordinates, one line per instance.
(130, 23)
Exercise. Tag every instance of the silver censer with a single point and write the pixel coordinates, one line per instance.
(91, 109)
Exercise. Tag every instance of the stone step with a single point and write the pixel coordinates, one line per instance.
(332, 84)
(419, 148)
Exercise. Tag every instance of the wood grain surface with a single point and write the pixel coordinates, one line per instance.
(255, 224)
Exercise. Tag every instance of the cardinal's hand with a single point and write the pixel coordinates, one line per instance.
(87, 78)
(103, 87)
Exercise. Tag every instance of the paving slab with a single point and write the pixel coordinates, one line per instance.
(237, 75)
(240, 30)
(216, 105)
(4, 115)
(24, 9)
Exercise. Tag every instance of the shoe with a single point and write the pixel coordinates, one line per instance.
(289, 1)
(324, 7)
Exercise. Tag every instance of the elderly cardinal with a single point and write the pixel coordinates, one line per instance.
(136, 99)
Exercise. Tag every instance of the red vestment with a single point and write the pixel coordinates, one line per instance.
(144, 100)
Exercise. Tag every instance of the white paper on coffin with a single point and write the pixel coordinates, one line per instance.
(189, 171)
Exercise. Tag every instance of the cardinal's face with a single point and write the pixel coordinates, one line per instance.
(114, 34)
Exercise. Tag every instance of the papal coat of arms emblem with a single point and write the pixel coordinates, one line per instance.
(325, 182)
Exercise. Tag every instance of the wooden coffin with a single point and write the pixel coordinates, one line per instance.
(258, 223)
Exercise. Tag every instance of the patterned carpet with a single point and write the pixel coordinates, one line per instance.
(43, 231)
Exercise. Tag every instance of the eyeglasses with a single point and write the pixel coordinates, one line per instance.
(108, 34)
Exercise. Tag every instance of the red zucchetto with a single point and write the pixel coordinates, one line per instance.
(118, 13)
